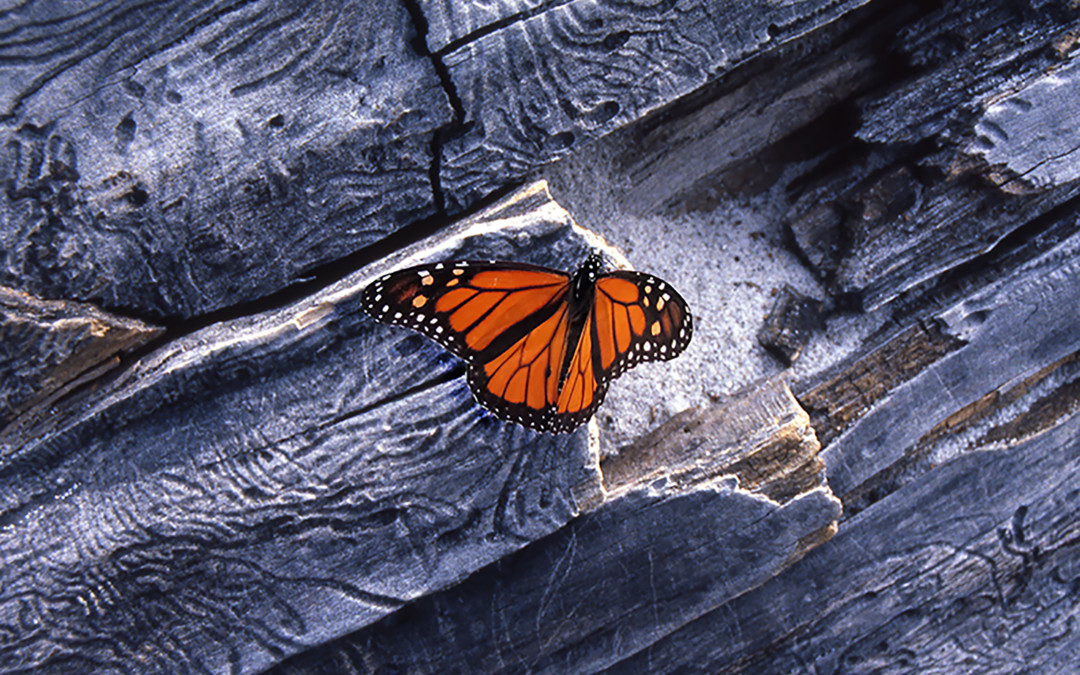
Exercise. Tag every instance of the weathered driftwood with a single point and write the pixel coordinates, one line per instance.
(608, 584)
(582, 68)
(790, 323)
(300, 472)
(48, 347)
(289, 485)
(169, 161)
(966, 570)
(1004, 333)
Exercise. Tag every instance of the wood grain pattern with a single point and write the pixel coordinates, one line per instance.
(1010, 330)
(583, 68)
(972, 568)
(166, 160)
(287, 486)
(761, 435)
(1030, 132)
(452, 22)
(921, 198)
(299, 473)
(611, 584)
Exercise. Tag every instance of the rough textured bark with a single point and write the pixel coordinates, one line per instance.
(166, 160)
(257, 477)
(50, 346)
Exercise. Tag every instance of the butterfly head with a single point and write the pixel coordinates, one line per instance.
(585, 277)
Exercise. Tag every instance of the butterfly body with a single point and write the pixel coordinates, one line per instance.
(541, 345)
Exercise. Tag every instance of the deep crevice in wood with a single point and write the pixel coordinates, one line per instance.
(1041, 413)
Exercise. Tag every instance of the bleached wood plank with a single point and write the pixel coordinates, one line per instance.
(169, 159)
(275, 481)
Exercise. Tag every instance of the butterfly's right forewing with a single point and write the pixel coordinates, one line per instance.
(638, 318)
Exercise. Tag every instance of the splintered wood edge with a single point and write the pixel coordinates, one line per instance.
(849, 391)
(1043, 413)
(762, 437)
(107, 335)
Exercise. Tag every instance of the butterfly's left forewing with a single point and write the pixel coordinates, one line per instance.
(474, 309)
(509, 321)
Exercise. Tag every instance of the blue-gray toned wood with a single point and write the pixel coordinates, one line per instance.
(791, 321)
(618, 578)
(1009, 330)
(172, 159)
(273, 482)
(47, 346)
(971, 569)
(451, 22)
(594, 593)
(168, 159)
(942, 151)
(935, 187)
(762, 436)
(583, 68)
(1031, 133)
(299, 483)
(754, 110)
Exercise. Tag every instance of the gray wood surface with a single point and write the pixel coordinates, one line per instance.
(607, 585)
(964, 571)
(212, 461)
(299, 473)
(922, 198)
(175, 158)
(581, 69)
(1010, 330)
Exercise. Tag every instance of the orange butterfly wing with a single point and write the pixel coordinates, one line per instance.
(541, 346)
(638, 318)
(635, 317)
(467, 307)
(509, 321)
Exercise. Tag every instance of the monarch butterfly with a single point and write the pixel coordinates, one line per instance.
(541, 345)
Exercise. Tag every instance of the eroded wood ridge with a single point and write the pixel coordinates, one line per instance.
(926, 192)
(761, 436)
(1013, 330)
(49, 346)
(608, 586)
(709, 505)
(848, 391)
(587, 68)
